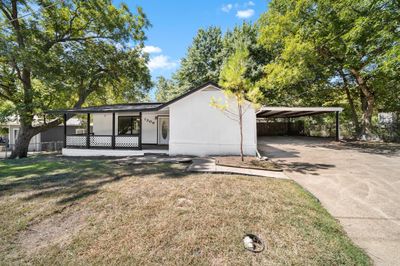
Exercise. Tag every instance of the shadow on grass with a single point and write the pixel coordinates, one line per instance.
(72, 179)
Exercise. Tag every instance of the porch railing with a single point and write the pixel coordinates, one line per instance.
(103, 141)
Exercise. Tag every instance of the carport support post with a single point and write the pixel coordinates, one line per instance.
(337, 127)
(65, 130)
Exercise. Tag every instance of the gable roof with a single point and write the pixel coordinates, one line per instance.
(132, 107)
(191, 91)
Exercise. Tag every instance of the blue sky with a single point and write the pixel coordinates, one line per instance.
(175, 23)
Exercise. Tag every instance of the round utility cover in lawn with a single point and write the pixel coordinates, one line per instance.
(253, 243)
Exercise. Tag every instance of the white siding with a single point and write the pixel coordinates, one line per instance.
(197, 128)
(149, 128)
(102, 125)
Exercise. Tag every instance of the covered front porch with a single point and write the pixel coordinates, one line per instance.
(118, 130)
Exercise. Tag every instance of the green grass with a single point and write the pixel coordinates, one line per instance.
(57, 210)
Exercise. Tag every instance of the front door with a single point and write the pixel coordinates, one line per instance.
(163, 130)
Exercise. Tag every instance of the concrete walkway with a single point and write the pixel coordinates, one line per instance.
(208, 165)
(152, 159)
(358, 186)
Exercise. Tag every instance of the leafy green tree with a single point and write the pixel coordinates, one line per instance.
(203, 60)
(319, 42)
(61, 54)
(235, 83)
(246, 35)
(166, 89)
(208, 52)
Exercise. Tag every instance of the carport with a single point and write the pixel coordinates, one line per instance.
(295, 112)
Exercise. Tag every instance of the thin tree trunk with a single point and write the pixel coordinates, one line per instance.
(241, 129)
(368, 100)
(351, 103)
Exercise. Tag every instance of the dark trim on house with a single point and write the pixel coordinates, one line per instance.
(113, 131)
(65, 131)
(337, 135)
(88, 132)
(140, 130)
(202, 86)
(157, 131)
(136, 107)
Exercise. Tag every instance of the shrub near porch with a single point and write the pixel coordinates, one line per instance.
(102, 211)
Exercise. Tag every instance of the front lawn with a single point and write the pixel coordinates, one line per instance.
(56, 210)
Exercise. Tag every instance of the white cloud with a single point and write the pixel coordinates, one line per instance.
(251, 3)
(161, 62)
(226, 8)
(152, 49)
(245, 13)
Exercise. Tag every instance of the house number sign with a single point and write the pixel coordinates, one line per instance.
(149, 121)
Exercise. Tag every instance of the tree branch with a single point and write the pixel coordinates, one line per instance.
(5, 10)
(2, 95)
(45, 126)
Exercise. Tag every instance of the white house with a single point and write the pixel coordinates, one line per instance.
(186, 125)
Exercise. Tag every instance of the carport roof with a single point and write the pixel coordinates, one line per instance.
(285, 112)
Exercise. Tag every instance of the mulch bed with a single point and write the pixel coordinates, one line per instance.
(249, 163)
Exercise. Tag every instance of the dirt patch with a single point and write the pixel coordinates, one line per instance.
(249, 163)
(55, 230)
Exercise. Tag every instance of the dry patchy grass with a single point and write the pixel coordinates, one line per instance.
(249, 162)
(94, 211)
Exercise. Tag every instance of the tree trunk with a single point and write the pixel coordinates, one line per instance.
(22, 144)
(241, 129)
(351, 103)
(26, 133)
(368, 103)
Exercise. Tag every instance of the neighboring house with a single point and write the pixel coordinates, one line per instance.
(44, 139)
(186, 125)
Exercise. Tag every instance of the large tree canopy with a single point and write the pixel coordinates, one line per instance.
(166, 89)
(203, 60)
(202, 63)
(323, 44)
(64, 53)
(206, 55)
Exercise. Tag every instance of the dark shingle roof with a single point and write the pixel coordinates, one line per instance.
(130, 107)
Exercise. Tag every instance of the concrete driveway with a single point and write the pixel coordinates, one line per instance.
(358, 186)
